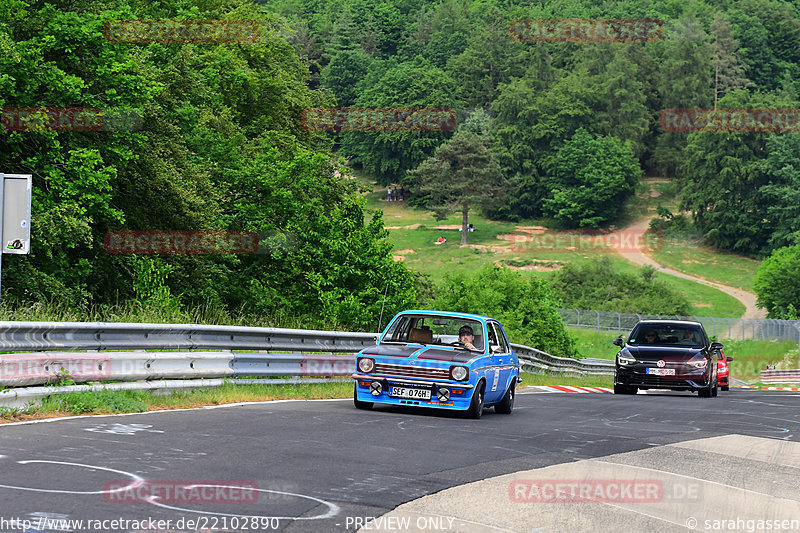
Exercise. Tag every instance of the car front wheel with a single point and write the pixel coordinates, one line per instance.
(476, 405)
(358, 403)
(707, 392)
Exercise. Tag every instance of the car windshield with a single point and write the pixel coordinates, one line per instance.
(434, 329)
(667, 334)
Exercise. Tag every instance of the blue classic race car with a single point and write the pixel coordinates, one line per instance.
(439, 359)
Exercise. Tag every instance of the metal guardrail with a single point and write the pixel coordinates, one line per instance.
(780, 376)
(534, 360)
(35, 336)
(723, 328)
(312, 354)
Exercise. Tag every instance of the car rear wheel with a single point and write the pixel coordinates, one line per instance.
(506, 405)
(476, 405)
(358, 403)
(624, 389)
(715, 391)
(725, 387)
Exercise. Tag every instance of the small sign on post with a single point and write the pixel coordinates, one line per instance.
(15, 214)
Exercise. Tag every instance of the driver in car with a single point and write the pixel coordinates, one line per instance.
(466, 336)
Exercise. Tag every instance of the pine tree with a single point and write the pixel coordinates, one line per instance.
(461, 174)
(728, 73)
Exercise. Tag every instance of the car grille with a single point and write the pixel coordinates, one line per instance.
(411, 371)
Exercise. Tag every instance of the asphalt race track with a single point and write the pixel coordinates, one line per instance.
(325, 466)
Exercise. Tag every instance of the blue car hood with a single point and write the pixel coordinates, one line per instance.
(420, 352)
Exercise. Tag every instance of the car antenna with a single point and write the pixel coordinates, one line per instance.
(380, 319)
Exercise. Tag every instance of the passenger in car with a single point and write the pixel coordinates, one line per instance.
(650, 337)
(466, 336)
(689, 337)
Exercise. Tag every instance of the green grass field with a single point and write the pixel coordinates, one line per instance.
(702, 261)
(413, 234)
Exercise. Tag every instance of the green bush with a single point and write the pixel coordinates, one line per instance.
(776, 283)
(600, 287)
(524, 306)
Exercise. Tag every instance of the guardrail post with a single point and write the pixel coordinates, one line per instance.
(598, 321)
(619, 324)
(578, 311)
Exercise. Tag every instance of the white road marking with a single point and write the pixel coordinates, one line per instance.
(135, 483)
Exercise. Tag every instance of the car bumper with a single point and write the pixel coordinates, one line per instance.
(638, 378)
(460, 393)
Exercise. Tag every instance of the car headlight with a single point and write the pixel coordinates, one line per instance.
(700, 362)
(366, 365)
(625, 360)
(459, 373)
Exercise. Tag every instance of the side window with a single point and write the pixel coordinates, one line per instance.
(497, 337)
(503, 340)
(492, 335)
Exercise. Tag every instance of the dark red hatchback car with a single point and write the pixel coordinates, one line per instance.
(667, 354)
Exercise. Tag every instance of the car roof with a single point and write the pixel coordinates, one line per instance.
(445, 313)
(657, 322)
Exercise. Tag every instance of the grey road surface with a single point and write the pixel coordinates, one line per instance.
(325, 466)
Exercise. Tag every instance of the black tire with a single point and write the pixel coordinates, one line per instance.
(476, 405)
(725, 387)
(358, 403)
(506, 405)
(705, 392)
(624, 389)
(715, 391)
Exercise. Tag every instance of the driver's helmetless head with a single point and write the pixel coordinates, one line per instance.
(465, 331)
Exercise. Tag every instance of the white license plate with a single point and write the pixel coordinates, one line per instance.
(400, 392)
(661, 371)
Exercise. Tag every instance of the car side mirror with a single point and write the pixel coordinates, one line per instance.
(729, 359)
(618, 342)
(716, 345)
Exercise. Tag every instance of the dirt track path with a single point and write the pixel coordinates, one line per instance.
(640, 258)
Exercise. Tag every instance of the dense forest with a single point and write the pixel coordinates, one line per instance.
(560, 110)
(220, 148)
(569, 127)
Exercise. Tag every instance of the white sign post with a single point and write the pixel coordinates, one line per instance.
(15, 214)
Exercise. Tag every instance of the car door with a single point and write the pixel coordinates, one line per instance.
(510, 361)
(500, 356)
